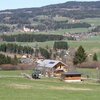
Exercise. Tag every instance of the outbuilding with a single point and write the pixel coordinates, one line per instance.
(71, 76)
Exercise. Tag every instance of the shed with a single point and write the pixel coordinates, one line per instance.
(71, 76)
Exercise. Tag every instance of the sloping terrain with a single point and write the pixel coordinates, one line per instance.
(43, 18)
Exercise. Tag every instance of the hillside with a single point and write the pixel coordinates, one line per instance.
(51, 17)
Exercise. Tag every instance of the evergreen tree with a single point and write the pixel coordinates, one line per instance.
(44, 53)
(80, 56)
(95, 57)
(2, 58)
(14, 60)
(8, 60)
(60, 45)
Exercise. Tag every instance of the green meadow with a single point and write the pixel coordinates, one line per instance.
(92, 21)
(20, 88)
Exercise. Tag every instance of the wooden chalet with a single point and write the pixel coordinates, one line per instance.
(54, 67)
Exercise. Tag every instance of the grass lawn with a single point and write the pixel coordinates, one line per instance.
(92, 21)
(73, 30)
(45, 89)
(94, 38)
(60, 18)
(92, 73)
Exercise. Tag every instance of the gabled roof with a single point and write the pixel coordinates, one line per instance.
(48, 63)
(71, 73)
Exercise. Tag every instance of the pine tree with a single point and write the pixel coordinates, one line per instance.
(80, 56)
(44, 53)
(60, 45)
(14, 60)
(8, 60)
(95, 57)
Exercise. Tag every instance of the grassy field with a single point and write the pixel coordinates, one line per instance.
(45, 89)
(60, 18)
(94, 38)
(57, 32)
(92, 73)
(92, 21)
(73, 30)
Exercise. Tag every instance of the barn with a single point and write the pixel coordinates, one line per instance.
(71, 76)
(54, 67)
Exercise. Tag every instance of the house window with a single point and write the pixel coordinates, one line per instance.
(60, 66)
(51, 62)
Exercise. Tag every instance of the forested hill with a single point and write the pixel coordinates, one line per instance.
(20, 17)
(76, 5)
(60, 9)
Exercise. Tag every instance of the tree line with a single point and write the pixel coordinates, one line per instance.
(30, 37)
(49, 53)
(45, 26)
(14, 48)
(79, 57)
(8, 60)
(55, 25)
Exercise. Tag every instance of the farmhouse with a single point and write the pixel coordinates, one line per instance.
(71, 77)
(53, 67)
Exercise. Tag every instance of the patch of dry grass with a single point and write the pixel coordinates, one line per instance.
(19, 86)
(71, 88)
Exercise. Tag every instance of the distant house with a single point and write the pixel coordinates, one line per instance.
(25, 29)
(71, 77)
(24, 56)
(54, 67)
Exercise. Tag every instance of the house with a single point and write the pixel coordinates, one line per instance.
(71, 77)
(52, 67)
(24, 56)
(26, 29)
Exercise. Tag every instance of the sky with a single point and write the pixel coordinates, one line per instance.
(15, 4)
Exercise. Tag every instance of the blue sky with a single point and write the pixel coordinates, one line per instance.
(14, 4)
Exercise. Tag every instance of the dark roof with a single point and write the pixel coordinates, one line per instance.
(71, 73)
